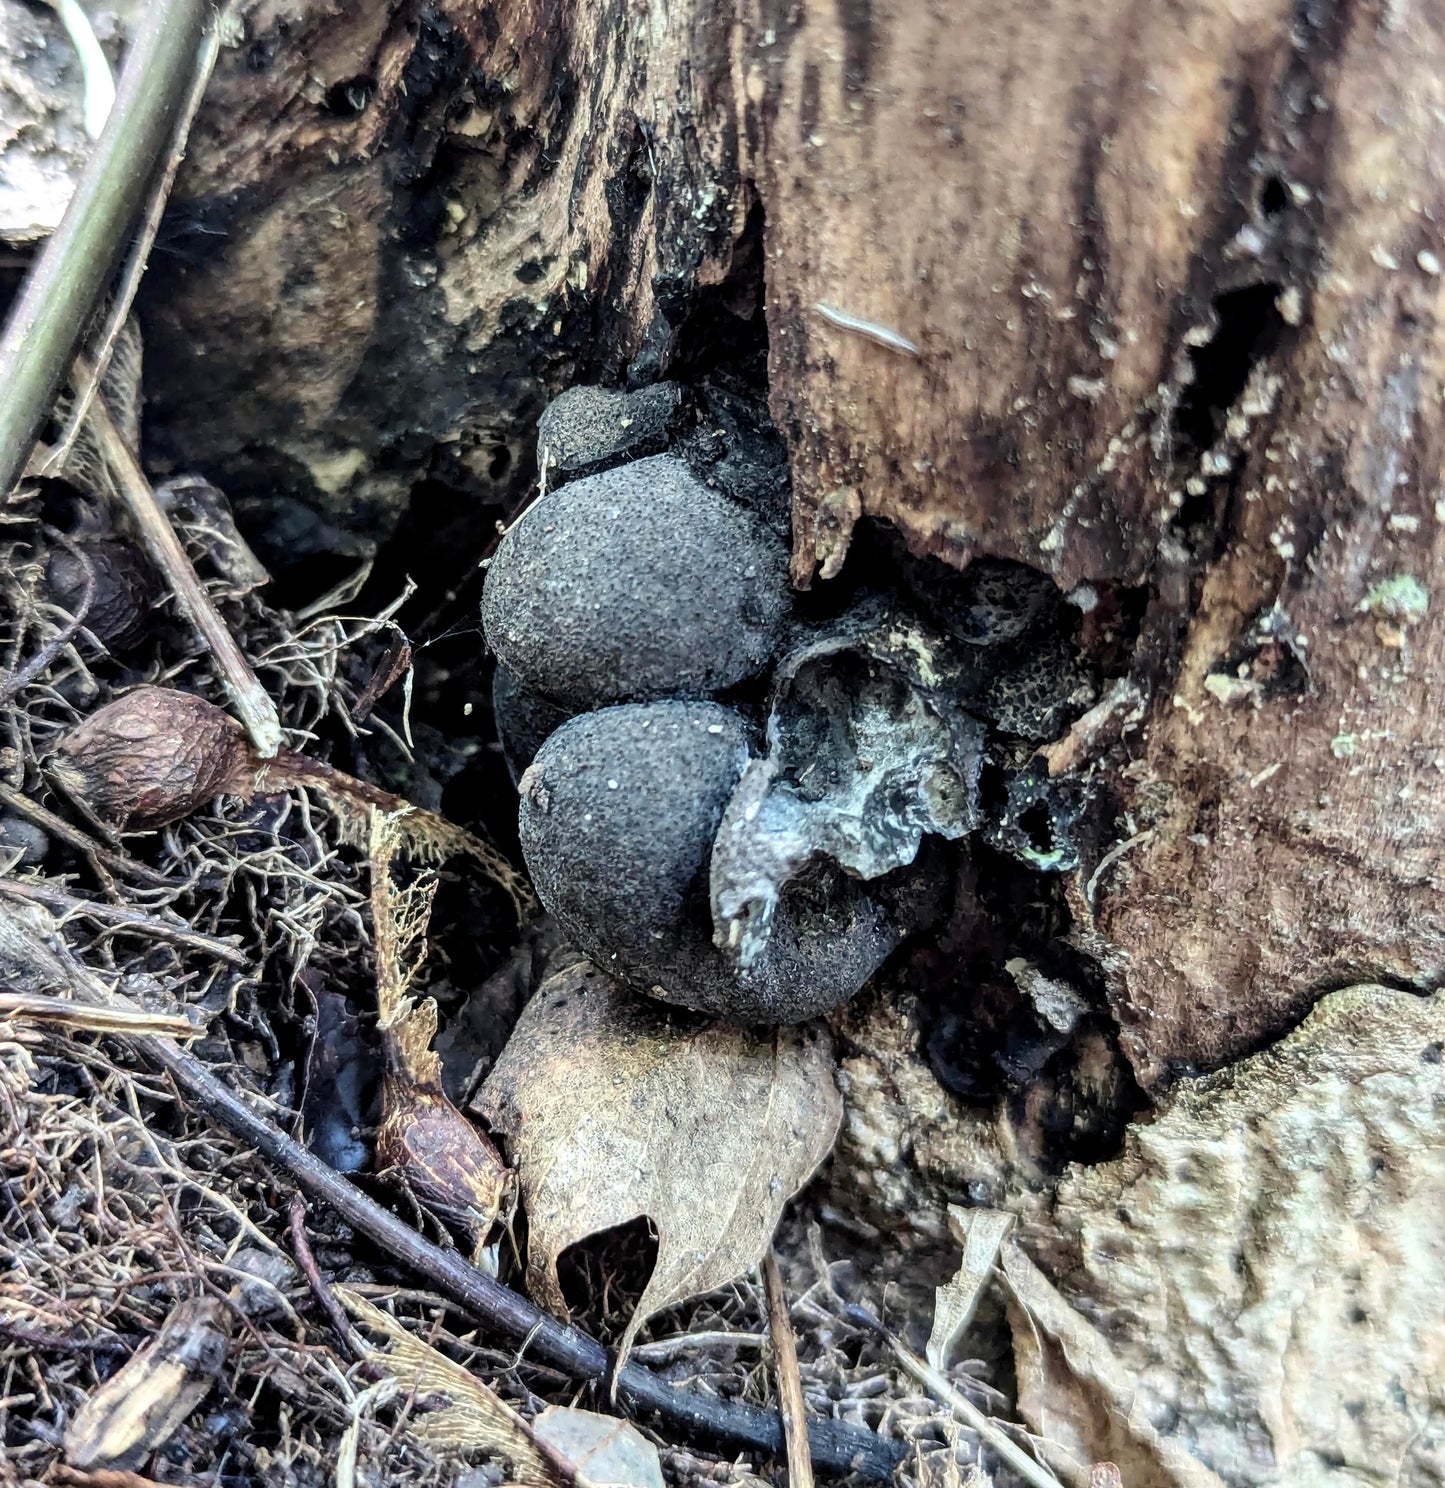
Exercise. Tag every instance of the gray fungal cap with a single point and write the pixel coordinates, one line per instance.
(587, 429)
(617, 818)
(636, 583)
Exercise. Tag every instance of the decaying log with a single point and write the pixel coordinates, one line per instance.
(1171, 277)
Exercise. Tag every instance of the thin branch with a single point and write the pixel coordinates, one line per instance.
(62, 289)
(57, 826)
(40, 1007)
(785, 1368)
(325, 1297)
(102, 345)
(254, 708)
(835, 1444)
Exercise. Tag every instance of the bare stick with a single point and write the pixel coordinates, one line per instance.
(785, 1369)
(62, 288)
(57, 826)
(121, 915)
(103, 344)
(254, 708)
(325, 1297)
(40, 1007)
(835, 1444)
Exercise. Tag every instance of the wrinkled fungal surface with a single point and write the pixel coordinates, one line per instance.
(589, 429)
(637, 583)
(618, 816)
(991, 601)
(756, 861)
(868, 752)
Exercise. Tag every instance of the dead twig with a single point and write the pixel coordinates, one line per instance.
(103, 344)
(942, 1390)
(37, 1007)
(56, 826)
(325, 1297)
(60, 293)
(253, 706)
(785, 1368)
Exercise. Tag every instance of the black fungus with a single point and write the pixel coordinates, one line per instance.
(618, 816)
(1039, 821)
(525, 720)
(637, 583)
(991, 601)
(618, 813)
(868, 751)
(590, 429)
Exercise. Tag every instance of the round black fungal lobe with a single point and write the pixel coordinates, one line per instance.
(617, 818)
(636, 583)
(524, 719)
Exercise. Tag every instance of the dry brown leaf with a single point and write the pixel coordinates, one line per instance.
(602, 1451)
(1252, 1291)
(617, 1108)
(474, 1418)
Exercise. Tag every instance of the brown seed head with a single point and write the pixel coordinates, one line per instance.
(152, 757)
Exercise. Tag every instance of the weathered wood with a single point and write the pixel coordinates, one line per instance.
(1173, 274)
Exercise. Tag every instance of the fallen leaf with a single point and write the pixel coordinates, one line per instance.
(473, 1418)
(1252, 1290)
(981, 1232)
(602, 1451)
(618, 1108)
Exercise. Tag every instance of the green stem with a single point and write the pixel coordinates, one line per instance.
(68, 278)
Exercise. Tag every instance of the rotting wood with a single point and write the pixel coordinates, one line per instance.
(1175, 283)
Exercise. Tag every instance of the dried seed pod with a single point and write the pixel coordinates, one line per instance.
(427, 1148)
(124, 592)
(151, 757)
(637, 583)
(139, 1407)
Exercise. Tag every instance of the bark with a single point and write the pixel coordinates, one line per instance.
(1172, 277)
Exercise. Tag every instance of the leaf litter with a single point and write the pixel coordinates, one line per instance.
(617, 1108)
